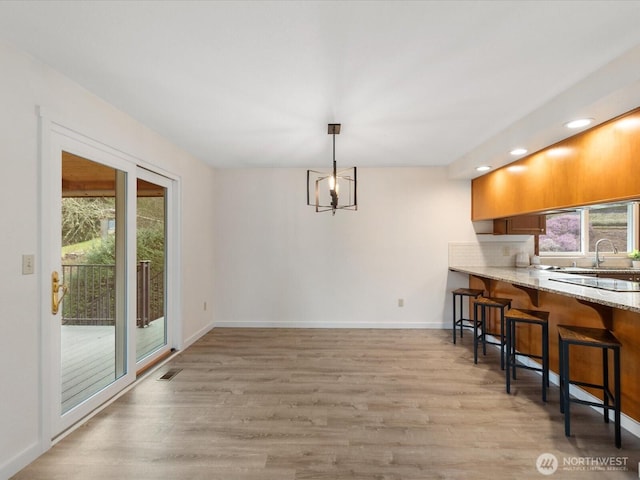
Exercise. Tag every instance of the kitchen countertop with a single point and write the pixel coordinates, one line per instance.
(542, 280)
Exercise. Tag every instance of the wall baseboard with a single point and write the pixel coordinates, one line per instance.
(196, 336)
(21, 460)
(377, 325)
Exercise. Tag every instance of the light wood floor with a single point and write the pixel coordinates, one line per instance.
(275, 404)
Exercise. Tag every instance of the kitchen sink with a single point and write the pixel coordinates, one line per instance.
(592, 269)
(602, 283)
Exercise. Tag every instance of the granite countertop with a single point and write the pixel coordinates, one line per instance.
(542, 280)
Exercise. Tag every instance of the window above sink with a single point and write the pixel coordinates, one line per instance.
(574, 233)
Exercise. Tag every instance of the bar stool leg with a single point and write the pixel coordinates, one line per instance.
(605, 383)
(514, 344)
(502, 339)
(507, 372)
(617, 400)
(484, 329)
(475, 333)
(461, 315)
(454, 319)
(567, 383)
(560, 374)
(545, 360)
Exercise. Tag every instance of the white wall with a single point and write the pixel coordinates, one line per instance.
(278, 263)
(24, 84)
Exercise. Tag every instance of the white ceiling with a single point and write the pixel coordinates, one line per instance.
(253, 84)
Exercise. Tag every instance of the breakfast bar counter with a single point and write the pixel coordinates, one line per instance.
(548, 281)
(579, 305)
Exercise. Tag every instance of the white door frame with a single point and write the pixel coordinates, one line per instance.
(53, 135)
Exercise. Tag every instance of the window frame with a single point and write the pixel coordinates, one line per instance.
(633, 240)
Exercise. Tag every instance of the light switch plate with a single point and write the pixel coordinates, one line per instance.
(28, 264)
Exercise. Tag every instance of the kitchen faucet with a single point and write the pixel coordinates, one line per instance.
(599, 260)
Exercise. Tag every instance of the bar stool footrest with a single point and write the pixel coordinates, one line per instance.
(527, 367)
(586, 384)
(528, 355)
(465, 323)
(592, 404)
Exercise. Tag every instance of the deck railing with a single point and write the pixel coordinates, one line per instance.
(91, 298)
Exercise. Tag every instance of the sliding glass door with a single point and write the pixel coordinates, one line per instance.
(151, 232)
(106, 258)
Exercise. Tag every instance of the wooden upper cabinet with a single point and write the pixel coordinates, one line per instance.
(596, 166)
(521, 225)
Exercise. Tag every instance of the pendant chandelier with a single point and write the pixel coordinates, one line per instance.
(334, 190)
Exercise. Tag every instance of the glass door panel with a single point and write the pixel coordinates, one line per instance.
(92, 315)
(151, 322)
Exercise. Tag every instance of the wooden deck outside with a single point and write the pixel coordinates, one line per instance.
(88, 363)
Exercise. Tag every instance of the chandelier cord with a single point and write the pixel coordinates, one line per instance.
(334, 191)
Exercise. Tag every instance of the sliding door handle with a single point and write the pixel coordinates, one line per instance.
(56, 286)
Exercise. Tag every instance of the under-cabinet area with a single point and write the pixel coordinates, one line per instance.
(520, 225)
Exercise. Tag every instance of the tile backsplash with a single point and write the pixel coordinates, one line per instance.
(503, 254)
(487, 254)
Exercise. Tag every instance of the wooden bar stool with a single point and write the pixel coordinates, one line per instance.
(517, 316)
(590, 337)
(480, 305)
(460, 320)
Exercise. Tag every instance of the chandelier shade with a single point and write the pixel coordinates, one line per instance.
(333, 190)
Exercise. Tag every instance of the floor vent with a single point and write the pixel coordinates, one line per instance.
(170, 374)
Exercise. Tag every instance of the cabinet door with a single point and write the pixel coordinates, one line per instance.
(527, 224)
(521, 225)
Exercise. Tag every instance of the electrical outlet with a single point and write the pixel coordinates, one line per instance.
(506, 251)
(401, 302)
(205, 306)
(28, 264)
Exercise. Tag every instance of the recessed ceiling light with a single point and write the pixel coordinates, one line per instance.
(579, 123)
(483, 168)
(518, 151)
